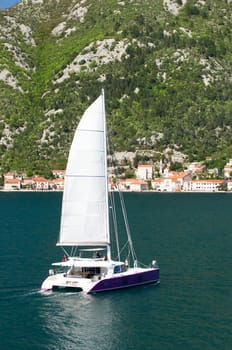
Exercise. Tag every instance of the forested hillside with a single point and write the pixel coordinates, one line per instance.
(165, 65)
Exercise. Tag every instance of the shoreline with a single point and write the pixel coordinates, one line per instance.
(145, 191)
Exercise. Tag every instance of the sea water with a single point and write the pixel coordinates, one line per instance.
(189, 234)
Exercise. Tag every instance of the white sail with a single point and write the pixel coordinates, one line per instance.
(84, 219)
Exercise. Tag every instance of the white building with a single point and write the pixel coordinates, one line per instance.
(10, 176)
(173, 181)
(229, 185)
(203, 185)
(58, 173)
(195, 168)
(166, 185)
(228, 169)
(133, 185)
(57, 184)
(144, 171)
(12, 184)
(41, 184)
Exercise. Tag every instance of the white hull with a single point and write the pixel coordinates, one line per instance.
(61, 281)
(130, 278)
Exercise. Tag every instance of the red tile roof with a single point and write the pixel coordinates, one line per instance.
(39, 179)
(12, 181)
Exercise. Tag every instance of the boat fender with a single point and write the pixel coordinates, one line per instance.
(154, 263)
(126, 264)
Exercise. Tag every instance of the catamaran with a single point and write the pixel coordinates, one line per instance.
(88, 219)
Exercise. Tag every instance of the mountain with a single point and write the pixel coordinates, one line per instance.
(165, 65)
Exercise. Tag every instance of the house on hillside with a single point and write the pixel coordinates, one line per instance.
(196, 168)
(10, 176)
(228, 169)
(145, 172)
(58, 173)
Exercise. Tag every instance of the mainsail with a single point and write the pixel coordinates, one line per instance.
(84, 219)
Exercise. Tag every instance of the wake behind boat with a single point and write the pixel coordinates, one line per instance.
(89, 219)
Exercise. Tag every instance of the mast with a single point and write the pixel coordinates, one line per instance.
(106, 175)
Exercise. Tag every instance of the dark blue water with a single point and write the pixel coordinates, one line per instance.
(189, 234)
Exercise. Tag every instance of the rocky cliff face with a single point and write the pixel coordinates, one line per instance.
(165, 66)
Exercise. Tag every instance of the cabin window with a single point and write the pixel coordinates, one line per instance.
(91, 271)
(117, 269)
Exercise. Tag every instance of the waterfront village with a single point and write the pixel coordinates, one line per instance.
(144, 179)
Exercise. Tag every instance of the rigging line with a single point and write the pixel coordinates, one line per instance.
(113, 160)
(106, 173)
(114, 217)
(72, 251)
(115, 224)
(124, 247)
(112, 198)
(75, 250)
(123, 212)
(127, 225)
(65, 251)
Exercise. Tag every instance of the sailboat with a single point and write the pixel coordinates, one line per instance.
(87, 212)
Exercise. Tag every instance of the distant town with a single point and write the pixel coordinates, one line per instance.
(143, 178)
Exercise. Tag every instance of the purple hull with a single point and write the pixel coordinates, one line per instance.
(127, 281)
